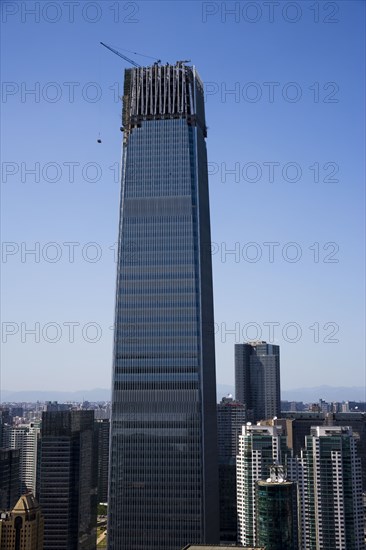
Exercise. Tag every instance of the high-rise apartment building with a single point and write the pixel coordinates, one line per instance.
(257, 379)
(67, 480)
(330, 490)
(22, 527)
(25, 438)
(163, 482)
(231, 416)
(259, 448)
(9, 478)
(299, 424)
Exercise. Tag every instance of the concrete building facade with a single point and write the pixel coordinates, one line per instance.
(22, 528)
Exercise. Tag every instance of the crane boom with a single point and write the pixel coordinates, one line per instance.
(121, 55)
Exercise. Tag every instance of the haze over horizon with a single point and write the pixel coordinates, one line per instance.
(307, 394)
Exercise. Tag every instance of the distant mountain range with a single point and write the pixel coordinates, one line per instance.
(307, 395)
(328, 393)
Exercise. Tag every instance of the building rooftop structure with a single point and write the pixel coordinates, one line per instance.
(22, 527)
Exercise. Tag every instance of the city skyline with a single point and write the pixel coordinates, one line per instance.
(311, 294)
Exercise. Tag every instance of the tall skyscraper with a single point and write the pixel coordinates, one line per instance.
(22, 527)
(231, 416)
(259, 448)
(330, 490)
(67, 480)
(257, 379)
(163, 482)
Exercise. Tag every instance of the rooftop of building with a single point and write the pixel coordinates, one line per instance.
(270, 483)
(26, 505)
(249, 429)
(321, 431)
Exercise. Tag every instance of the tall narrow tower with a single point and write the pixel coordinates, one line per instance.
(257, 379)
(163, 483)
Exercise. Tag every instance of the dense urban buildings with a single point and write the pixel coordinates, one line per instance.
(25, 438)
(163, 486)
(22, 527)
(67, 480)
(257, 379)
(330, 490)
(231, 415)
(298, 426)
(272, 506)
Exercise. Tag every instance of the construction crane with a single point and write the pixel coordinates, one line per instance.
(121, 55)
(131, 61)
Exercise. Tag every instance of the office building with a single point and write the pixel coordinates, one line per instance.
(102, 428)
(257, 379)
(9, 478)
(231, 416)
(55, 406)
(22, 527)
(25, 438)
(67, 480)
(259, 448)
(163, 482)
(328, 473)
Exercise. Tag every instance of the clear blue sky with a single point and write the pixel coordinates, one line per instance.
(292, 131)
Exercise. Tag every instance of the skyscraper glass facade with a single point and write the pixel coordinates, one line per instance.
(276, 515)
(163, 455)
(257, 379)
(67, 480)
